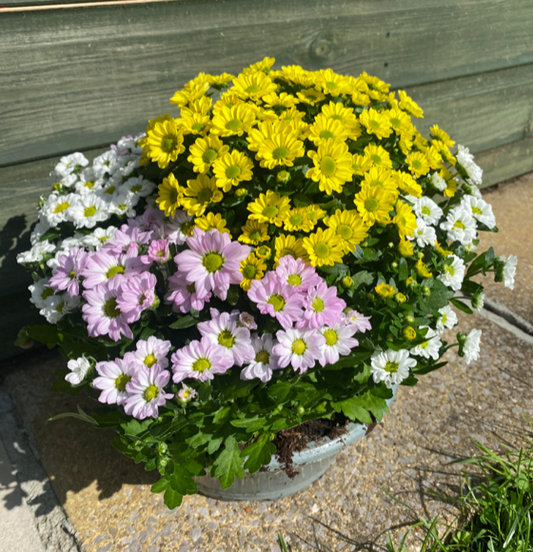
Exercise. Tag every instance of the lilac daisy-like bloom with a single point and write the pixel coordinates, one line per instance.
(69, 271)
(102, 313)
(158, 252)
(264, 362)
(186, 393)
(128, 239)
(212, 262)
(151, 352)
(246, 320)
(300, 349)
(297, 273)
(277, 299)
(104, 265)
(113, 377)
(183, 295)
(223, 330)
(200, 360)
(322, 307)
(137, 294)
(339, 341)
(146, 393)
(360, 322)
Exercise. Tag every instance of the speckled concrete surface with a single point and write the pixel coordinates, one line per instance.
(108, 497)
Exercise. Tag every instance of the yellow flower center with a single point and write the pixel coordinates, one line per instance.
(270, 212)
(321, 250)
(374, 124)
(253, 89)
(168, 144)
(391, 367)
(371, 204)
(417, 164)
(262, 356)
(72, 275)
(136, 188)
(226, 339)
(331, 337)
(426, 211)
(212, 261)
(109, 190)
(249, 271)
(255, 235)
(298, 347)
(277, 302)
(201, 364)
(296, 220)
(337, 118)
(209, 155)
(113, 271)
(477, 211)
(111, 309)
(395, 122)
(281, 152)
(294, 280)
(376, 159)
(344, 231)
(61, 207)
(89, 211)
(234, 125)
(205, 195)
(460, 225)
(173, 196)
(318, 305)
(89, 184)
(326, 134)
(331, 85)
(233, 171)
(150, 393)
(329, 166)
(121, 381)
(150, 360)
(450, 270)
(197, 127)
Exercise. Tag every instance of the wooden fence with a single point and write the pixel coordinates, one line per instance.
(77, 76)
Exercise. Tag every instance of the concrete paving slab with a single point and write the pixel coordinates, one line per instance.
(512, 204)
(108, 499)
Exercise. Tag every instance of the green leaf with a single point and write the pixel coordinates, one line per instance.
(439, 297)
(183, 322)
(350, 361)
(182, 480)
(362, 278)
(461, 306)
(376, 405)
(403, 270)
(301, 200)
(233, 295)
(228, 464)
(259, 453)
(134, 427)
(45, 333)
(221, 414)
(250, 424)
(279, 391)
(81, 415)
(338, 269)
(410, 381)
(162, 485)
(172, 499)
(214, 444)
(353, 410)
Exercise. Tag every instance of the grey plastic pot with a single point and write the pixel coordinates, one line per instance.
(274, 483)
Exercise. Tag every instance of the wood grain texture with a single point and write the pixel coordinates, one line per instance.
(76, 78)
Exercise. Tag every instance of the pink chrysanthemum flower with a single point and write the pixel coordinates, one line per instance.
(68, 273)
(150, 352)
(200, 360)
(246, 320)
(146, 393)
(212, 262)
(223, 330)
(183, 295)
(300, 349)
(113, 377)
(128, 239)
(264, 362)
(137, 294)
(158, 252)
(102, 313)
(356, 319)
(277, 299)
(186, 393)
(339, 341)
(297, 273)
(105, 265)
(322, 307)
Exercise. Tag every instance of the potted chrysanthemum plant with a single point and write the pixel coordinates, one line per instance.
(288, 248)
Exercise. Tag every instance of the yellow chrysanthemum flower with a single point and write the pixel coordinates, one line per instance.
(423, 270)
(404, 219)
(327, 129)
(226, 102)
(374, 204)
(314, 213)
(417, 163)
(231, 169)
(234, 121)
(205, 151)
(350, 228)
(399, 121)
(433, 157)
(270, 207)
(263, 251)
(264, 65)
(377, 89)
(280, 149)
(253, 85)
(440, 136)
(382, 178)
(212, 221)
(297, 220)
(295, 119)
(407, 104)
(193, 90)
(332, 83)
(170, 195)
(220, 81)
(201, 105)
(407, 184)
(296, 75)
(384, 290)
(376, 123)
(254, 232)
(441, 251)
(378, 156)
(361, 98)
(405, 248)
(311, 96)
(283, 100)
(164, 142)
(332, 166)
(345, 115)
(199, 194)
(451, 183)
(409, 333)
(197, 123)
(252, 268)
(360, 164)
(323, 248)
(289, 245)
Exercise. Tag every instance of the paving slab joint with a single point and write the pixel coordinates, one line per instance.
(507, 314)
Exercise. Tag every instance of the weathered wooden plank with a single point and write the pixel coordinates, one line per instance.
(8, 5)
(77, 77)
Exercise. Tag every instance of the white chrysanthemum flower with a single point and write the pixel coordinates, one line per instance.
(58, 305)
(137, 186)
(426, 209)
(98, 238)
(129, 164)
(109, 192)
(460, 226)
(466, 160)
(130, 143)
(66, 181)
(56, 208)
(509, 271)
(438, 182)
(88, 182)
(429, 348)
(124, 205)
(447, 319)
(89, 210)
(424, 234)
(480, 210)
(391, 367)
(78, 370)
(40, 292)
(478, 301)
(471, 346)
(264, 362)
(173, 227)
(70, 164)
(36, 253)
(107, 163)
(454, 273)
(39, 230)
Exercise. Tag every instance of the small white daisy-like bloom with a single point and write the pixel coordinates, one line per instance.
(78, 370)
(454, 273)
(88, 182)
(58, 305)
(339, 341)
(509, 271)
(430, 347)
(438, 182)
(130, 143)
(137, 186)
(36, 253)
(124, 205)
(186, 393)
(113, 377)
(39, 230)
(40, 292)
(109, 192)
(70, 164)
(460, 226)
(301, 349)
(478, 301)
(173, 227)
(56, 208)
(391, 367)
(426, 209)
(447, 319)
(146, 393)
(130, 163)
(98, 238)
(480, 210)
(466, 160)
(423, 234)
(89, 210)
(264, 362)
(107, 163)
(471, 346)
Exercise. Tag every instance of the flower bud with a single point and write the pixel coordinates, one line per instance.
(410, 319)
(283, 176)
(394, 264)
(409, 333)
(300, 411)
(241, 192)
(400, 297)
(347, 282)
(426, 292)
(162, 449)
(478, 300)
